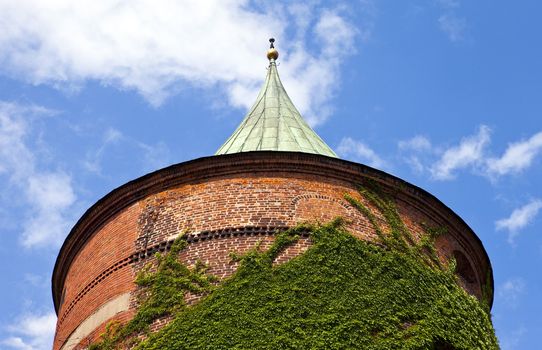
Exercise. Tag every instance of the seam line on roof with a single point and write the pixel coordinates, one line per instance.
(277, 139)
(250, 115)
(262, 127)
(303, 125)
(225, 148)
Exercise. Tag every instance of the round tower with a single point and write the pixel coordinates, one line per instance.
(274, 177)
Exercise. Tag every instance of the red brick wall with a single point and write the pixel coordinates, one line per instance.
(243, 201)
(87, 287)
(226, 213)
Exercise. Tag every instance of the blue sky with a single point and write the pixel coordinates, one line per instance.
(445, 94)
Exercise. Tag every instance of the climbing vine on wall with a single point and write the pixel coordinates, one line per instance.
(342, 293)
(399, 237)
(162, 294)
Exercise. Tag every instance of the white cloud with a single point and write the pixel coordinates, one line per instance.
(453, 25)
(520, 218)
(112, 135)
(415, 164)
(152, 156)
(357, 150)
(155, 47)
(469, 152)
(418, 143)
(93, 159)
(334, 33)
(414, 152)
(51, 196)
(32, 332)
(311, 74)
(517, 157)
(510, 291)
(15, 158)
(48, 195)
(35, 280)
(16, 343)
(449, 4)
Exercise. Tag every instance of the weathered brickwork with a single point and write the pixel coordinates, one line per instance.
(225, 207)
(111, 245)
(243, 201)
(120, 317)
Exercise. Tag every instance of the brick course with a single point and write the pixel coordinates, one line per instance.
(229, 204)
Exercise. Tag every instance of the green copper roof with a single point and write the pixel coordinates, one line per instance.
(274, 124)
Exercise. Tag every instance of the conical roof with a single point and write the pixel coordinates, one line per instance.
(273, 123)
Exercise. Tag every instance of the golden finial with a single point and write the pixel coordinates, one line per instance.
(272, 53)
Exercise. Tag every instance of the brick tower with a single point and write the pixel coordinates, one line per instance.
(272, 174)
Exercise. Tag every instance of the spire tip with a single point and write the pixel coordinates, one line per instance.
(272, 53)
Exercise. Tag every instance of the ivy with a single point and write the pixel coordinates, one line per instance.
(399, 237)
(162, 294)
(341, 293)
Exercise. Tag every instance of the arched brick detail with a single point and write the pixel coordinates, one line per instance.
(320, 207)
(465, 272)
(323, 208)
